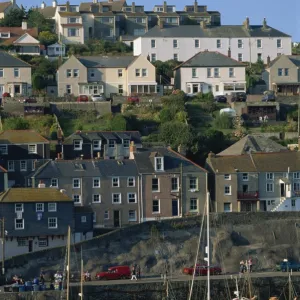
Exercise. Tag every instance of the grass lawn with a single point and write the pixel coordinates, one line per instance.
(197, 117)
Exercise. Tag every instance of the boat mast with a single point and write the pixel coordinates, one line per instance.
(68, 263)
(208, 248)
(290, 287)
(81, 282)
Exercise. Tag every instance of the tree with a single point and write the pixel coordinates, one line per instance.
(165, 115)
(36, 19)
(165, 68)
(223, 121)
(254, 72)
(38, 82)
(13, 18)
(16, 124)
(47, 38)
(118, 123)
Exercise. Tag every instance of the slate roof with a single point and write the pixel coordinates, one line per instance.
(210, 59)
(89, 136)
(86, 168)
(172, 161)
(21, 136)
(16, 33)
(83, 209)
(295, 59)
(256, 162)
(226, 31)
(106, 61)
(4, 6)
(33, 195)
(253, 143)
(48, 12)
(115, 5)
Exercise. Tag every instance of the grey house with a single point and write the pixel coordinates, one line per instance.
(21, 151)
(99, 144)
(108, 187)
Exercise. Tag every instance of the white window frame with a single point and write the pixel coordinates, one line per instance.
(296, 175)
(25, 164)
(120, 198)
(175, 44)
(196, 183)
(99, 197)
(69, 73)
(194, 72)
(111, 145)
(159, 163)
(245, 178)
(127, 144)
(49, 221)
(227, 176)
(76, 145)
(106, 215)
(240, 56)
(280, 46)
(158, 185)
(218, 43)
(43, 242)
(16, 72)
(192, 199)
(156, 212)
(11, 165)
(177, 183)
(68, 89)
(208, 73)
(230, 207)
(23, 224)
(229, 192)
(98, 181)
(120, 73)
(34, 149)
(53, 208)
(271, 184)
(73, 183)
(17, 209)
(54, 182)
(240, 44)
(268, 177)
(144, 72)
(118, 181)
(153, 43)
(153, 57)
(83, 219)
(259, 41)
(79, 197)
(75, 73)
(97, 144)
(131, 179)
(216, 72)
(197, 42)
(231, 73)
(135, 215)
(120, 89)
(135, 198)
(39, 207)
(137, 72)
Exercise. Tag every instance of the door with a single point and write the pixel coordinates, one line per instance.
(245, 188)
(282, 190)
(30, 243)
(1, 90)
(195, 88)
(174, 207)
(116, 218)
(263, 205)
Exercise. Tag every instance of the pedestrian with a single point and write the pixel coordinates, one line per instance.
(260, 119)
(250, 263)
(246, 269)
(138, 271)
(42, 277)
(242, 266)
(133, 273)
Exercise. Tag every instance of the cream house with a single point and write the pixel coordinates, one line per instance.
(5, 7)
(109, 75)
(211, 72)
(15, 75)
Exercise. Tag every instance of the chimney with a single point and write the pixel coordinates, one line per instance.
(41, 185)
(203, 24)
(43, 5)
(13, 2)
(54, 3)
(133, 7)
(161, 24)
(148, 57)
(247, 23)
(24, 25)
(68, 5)
(5, 187)
(265, 26)
(229, 52)
(165, 6)
(181, 150)
(132, 150)
(211, 155)
(268, 61)
(195, 6)
(95, 1)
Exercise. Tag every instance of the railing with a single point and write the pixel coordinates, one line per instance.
(248, 195)
(296, 193)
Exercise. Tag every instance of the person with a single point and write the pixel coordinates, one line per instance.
(16, 279)
(138, 271)
(246, 268)
(133, 273)
(36, 280)
(242, 266)
(87, 276)
(250, 263)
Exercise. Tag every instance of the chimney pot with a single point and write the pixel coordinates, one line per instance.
(43, 5)
(229, 52)
(195, 6)
(268, 61)
(24, 25)
(54, 3)
(132, 150)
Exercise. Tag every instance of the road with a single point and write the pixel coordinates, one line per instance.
(184, 278)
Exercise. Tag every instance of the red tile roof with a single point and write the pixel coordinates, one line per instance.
(15, 33)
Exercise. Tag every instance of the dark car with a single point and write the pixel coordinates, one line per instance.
(28, 100)
(268, 96)
(220, 99)
(286, 266)
(239, 97)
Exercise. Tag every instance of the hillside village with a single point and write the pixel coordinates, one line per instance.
(113, 116)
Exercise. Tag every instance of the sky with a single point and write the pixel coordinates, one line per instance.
(280, 14)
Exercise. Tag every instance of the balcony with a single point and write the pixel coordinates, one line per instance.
(248, 195)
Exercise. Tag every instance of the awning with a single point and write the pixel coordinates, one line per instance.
(286, 83)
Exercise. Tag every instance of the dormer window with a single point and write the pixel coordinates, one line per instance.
(77, 145)
(126, 143)
(159, 163)
(5, 35)
(97, 145)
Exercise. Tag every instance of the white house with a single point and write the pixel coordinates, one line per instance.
(246, 42)
(210, 72)
(56, 50)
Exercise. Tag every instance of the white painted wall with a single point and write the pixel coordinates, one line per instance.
(186, 47)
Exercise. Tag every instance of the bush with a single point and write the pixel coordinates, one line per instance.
(118, 123)
(165, 115)
(16, 124)
(208, 106)
(181, 116)
(223, 121)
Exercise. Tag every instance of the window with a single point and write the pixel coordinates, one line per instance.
(131, 197)
(68, 89)
(106, 215)
(280, 71)
(175, 43)
(137, 72)
(219, 44)
(73, 32)
(174, 183)
(19, 207)
(217, 88)
(296, 186)
(73, 20)
(193, 183)
(3, 149)
(240, 57)
(194, 72)
(11, 165)
(193, 204)
(69, 73)
(111, 144)
(96, 198)
(130, 182)
(92, 72)
(52, 223)
(155, 185)
(54, 182)
(216, 72)
(240, 44)
(259, 56)
(83, 219)
(245, 177)
(22, 242)
(51, 207)
(76, 183)
(296, 175)
(120, 89)
(208, 72)
(77, 198)
(153, 57)
(94, 217)
(39, 207)
(227, 207)
(23, 165)
(43, 242)
(131, 215)
(16, 72)
(197, 43)
(175, 56)
(1, 72)
(75, 73)
(144, 72)
(96, 182)
(77, 145)
(115, 182)
(32, 149)
(116, 198)
(159, 163)
(293, 202)
(153, 44)
(270, 176)
(19, 224)
(231, 72)
(286, 72)
(279, 43)
(271, 202)
(33, 163)
(259, 43)
(155, 206)
(227, 190)
(96, 144)
(126, 143)
(120, 73)
(270, 187)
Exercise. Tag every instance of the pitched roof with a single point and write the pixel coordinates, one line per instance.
(295, 59)
(253, 143)
(48, 12)
(226, 31)
(86, 168)
(89, 136)
(106, 61)
(4, 6)
(210, 59)
(33, 195)
(115, 5)
(21, 136)
(26, 39)
(172, 161)
(16, 33)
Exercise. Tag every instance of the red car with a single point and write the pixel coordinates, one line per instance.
(119, 272)
(201, 270)
(133, 99)
(82, 98)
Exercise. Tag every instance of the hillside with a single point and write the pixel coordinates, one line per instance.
(266, 237)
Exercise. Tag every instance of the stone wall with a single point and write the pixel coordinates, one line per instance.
(155, 99)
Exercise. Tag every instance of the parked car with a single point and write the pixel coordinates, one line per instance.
(201, 270)
(268, 96)
(133, 99)
(6, 95)
(220, 98)
(118, 272)
(82, 98)
(289, 265)
(98, 98)
(28, 100)
(239, 97)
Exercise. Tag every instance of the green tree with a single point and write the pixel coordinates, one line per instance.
(165, 68)
(223, 121)
(253, 73)
(13, 18)
(165, 115)
(36, 19)
(118, 123)
(38, 82)
(16, 124)
(47, 38)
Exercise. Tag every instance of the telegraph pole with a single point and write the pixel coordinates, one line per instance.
(3, 246)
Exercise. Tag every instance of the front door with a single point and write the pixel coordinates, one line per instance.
(195, 88)
(116, 218)
(282, 190)
(174, 207)
(30, 245)
(263, 205)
